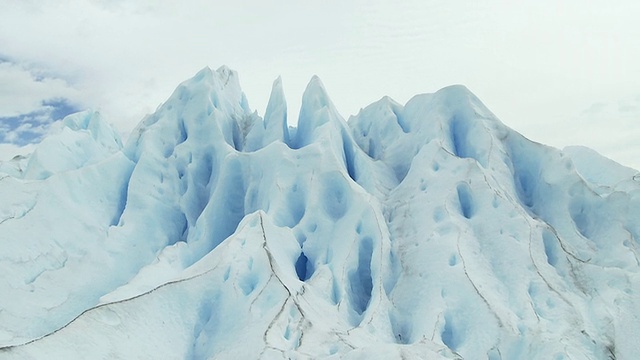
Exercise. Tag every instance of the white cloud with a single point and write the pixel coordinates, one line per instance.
(26, 91)
(535, 64)
(616, 124)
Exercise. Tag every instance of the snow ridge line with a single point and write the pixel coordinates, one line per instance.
(16, 217)
(475, 287)
(172, 282)
(290, 297)
(525, 215)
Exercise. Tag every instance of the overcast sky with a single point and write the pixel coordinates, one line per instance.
(561, 73)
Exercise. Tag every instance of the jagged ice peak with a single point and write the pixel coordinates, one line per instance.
(426, 230)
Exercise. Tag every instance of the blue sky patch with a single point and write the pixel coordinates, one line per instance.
(32, 127)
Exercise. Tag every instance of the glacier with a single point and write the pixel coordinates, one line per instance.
(428, 230)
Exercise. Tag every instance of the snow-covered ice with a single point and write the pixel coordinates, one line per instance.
(426, 230)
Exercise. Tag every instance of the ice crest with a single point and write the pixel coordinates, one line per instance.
(85, 138)
(275, 126)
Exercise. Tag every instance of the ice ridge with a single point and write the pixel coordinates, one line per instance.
(425, 230)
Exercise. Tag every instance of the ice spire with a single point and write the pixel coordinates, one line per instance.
(316, 110)
(275, 118)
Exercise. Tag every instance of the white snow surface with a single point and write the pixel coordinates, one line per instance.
(428, 230)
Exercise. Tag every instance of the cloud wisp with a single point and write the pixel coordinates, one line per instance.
(537, 65)
(30, 101)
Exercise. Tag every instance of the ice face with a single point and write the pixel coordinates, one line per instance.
(84, 139)
(424, 230)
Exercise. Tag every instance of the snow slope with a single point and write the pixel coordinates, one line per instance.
(428, 230)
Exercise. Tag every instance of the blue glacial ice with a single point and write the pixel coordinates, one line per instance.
(425, 230)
